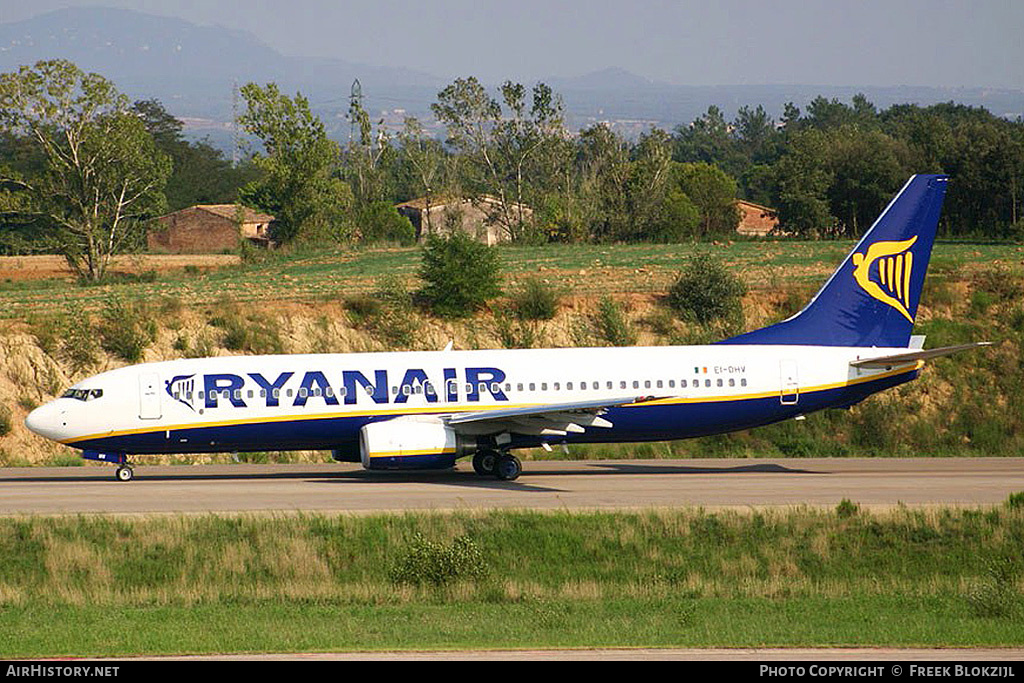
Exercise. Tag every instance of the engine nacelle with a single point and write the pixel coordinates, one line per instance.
(411, 443)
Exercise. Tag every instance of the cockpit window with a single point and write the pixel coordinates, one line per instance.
(82, 394)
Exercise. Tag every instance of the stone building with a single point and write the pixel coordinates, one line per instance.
(755, 219)
(479, 216)
(209, 229)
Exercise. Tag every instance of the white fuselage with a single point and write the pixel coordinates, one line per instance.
(321, 401)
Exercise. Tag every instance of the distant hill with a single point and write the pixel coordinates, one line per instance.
(192, 70)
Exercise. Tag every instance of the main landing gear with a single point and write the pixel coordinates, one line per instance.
(500, 464)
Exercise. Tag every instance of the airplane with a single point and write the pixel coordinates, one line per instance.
(427, 409)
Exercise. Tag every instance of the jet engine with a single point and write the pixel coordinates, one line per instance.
(411, 443)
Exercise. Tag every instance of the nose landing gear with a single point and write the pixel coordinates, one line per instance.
(124, 470)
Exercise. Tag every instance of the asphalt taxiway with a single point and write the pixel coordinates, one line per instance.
(544, 485)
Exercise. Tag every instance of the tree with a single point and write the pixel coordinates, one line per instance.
(460, 274)
(426, 157)
(500, 145)
(201, 174)
(368, 157)
(300, 187)
(713, 192)
(102, 175)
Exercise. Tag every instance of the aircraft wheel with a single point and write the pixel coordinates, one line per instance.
(484, 462)
(509, 468)
(124, 473)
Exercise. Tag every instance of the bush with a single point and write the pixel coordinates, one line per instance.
(706, 291)
(68, 336)
(460, 275)
(380, 222)
(437, 564)
(126, 329)
(534, 300)
(612, 324)
(254, 332)
(847, 508)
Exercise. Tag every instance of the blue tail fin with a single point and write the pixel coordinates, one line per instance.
(871, 300)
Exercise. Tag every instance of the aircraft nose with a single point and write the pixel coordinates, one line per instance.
(47, 420)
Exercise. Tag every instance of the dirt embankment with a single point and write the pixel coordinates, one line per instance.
(48, 267)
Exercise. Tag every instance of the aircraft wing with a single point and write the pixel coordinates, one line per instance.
(550, 419)
(913, 356)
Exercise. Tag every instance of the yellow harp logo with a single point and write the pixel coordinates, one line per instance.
(895, 263)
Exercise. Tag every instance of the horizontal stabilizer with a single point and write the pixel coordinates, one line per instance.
(912, 356)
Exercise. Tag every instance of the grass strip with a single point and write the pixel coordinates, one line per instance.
(95, 585)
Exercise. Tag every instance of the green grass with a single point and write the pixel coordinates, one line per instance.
(170, 585)
(668, 621)
(582, 268)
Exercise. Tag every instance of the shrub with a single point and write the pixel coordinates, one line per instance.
(460, 275)
(126, 329)
(706, 291)
(68, 336)
(438, 564)
(534, 300)
(612, 324)
(252, 333)
(847, 508)
(5, 421)
(380, 222)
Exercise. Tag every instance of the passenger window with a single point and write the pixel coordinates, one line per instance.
(647, 384)
(707, 383)
(636, 384)
(719, 382)
(533, 386)
(568, 385)
(543, 386)
(682, 383)
(743, 382)
(732, 382)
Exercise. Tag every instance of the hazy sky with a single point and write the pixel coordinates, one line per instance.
(701, 42)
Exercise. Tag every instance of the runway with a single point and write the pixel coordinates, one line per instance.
(544, 485)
